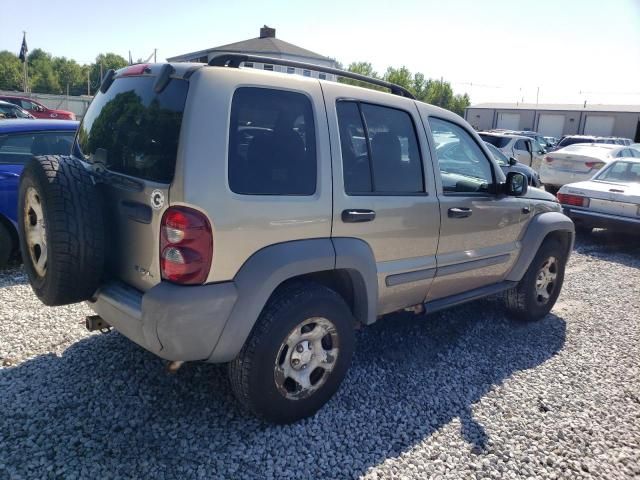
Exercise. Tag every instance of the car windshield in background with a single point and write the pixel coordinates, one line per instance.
(500, 157)
(496, 141)
(12, 111)
(18, 148)
(620, 171)
(133, 130)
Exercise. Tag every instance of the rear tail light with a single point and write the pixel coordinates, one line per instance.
(597, 165)
(573, 200)
(186, 246)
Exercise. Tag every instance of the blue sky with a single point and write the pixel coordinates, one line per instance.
(495, 50)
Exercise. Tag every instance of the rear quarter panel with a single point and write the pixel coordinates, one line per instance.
(244, 224)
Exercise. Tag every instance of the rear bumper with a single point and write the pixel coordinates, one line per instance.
(589, 218)
(558, 178)
(174, 322)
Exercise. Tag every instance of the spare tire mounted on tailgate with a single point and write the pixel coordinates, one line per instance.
(61, 229)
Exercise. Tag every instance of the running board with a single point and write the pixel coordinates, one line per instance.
(464, 297)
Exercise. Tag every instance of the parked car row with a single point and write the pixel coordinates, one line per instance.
(20, 140)
(580, 162)
(567, 140)
(36, 109)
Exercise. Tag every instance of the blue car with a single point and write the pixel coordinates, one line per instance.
(19, 141)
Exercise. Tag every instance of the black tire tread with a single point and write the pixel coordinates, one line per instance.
(75, 230)
(6, 245)
(239, 369)
(516, 298)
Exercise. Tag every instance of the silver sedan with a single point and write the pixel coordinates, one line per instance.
(611, 199)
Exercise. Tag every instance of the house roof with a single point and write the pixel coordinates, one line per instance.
(559, 107)
(260, 46)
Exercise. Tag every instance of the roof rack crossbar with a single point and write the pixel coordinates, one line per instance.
(235, 59)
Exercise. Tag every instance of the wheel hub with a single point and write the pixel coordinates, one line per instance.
(546, 280)
(35, 231)
(306, 358)
(302, 355)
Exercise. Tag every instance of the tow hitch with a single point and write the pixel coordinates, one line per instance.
(95, 322)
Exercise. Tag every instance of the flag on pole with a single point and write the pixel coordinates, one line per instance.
(23, 49)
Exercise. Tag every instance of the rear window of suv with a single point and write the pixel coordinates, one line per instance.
(573, 140)
(133, 130)
(499, 142)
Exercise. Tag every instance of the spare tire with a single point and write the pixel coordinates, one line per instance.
(60, 221)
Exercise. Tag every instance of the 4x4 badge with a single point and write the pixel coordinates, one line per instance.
(157, 199)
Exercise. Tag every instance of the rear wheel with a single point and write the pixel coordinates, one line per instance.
(61, 229)
(297, 355)
(6, 245)
(537, 292)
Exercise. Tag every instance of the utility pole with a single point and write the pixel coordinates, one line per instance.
(88, 81)
(101, 72)
(537, 96)
(155, 51)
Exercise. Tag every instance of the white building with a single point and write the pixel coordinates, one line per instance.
(266, 45)
(557, 120)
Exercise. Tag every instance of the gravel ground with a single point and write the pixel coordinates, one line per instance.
(460, 394)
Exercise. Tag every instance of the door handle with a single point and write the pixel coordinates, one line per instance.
(459, 212)
(358, 215)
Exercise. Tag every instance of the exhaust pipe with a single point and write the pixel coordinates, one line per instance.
(95, 322)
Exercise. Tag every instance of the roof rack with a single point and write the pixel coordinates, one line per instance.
(235, 59)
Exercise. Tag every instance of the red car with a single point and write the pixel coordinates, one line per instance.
(38, 110)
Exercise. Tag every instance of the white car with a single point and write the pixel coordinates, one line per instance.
(524, 149)
(611, 199)
(579, 162)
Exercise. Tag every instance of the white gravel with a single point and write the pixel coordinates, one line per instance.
(461, 394)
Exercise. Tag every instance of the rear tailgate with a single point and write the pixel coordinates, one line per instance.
(130, 137)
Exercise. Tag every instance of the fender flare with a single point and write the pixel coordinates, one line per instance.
(537, 230)
(268, 268)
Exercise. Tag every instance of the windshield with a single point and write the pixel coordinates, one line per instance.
(12, 111)
(500, 157)
(621, 171)
(133, 130)
(496, 141)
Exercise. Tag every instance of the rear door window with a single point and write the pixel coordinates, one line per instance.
(133, 130)
(272, 143)
(380, 152)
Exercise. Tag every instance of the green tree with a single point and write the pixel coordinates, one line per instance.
(10, 71)
(70, 74)
(106, 61)
(362, 68)
(400, 76)
(42, 76)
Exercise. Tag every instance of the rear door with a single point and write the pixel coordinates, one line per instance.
(382, 174)
(130, 135)
(522, 151)
(479, 230)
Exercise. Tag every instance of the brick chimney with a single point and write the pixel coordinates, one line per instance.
(267, 32)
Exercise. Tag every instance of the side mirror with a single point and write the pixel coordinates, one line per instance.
(516, 184)
(512, 161)
(39, 108)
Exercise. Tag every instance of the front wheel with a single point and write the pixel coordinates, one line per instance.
(297, 355)
(537, 292)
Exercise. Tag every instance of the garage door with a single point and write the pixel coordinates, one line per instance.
(599, 125)
(551, 125)
(509, 121)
